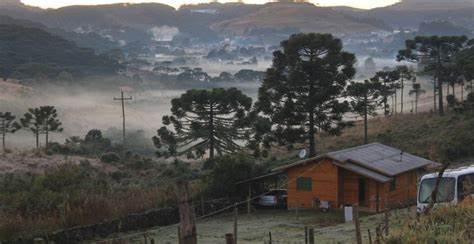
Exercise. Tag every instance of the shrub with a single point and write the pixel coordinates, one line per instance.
(228, 170)
(110, 158)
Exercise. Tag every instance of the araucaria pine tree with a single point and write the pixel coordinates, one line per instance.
(8, 125)
(51, 122)
(434, 53)
(365, 98)
(388, 88)
(42, 120)
(301, 91)
(206, 121)
(404, 74)
(33, 120)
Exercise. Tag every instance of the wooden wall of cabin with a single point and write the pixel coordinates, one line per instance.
(324, 177)
(405, 190)
(349, 189)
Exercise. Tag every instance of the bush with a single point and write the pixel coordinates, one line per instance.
(110, 158)
(228, 170)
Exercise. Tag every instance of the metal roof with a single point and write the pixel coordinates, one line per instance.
(363, 171)
(376, 157)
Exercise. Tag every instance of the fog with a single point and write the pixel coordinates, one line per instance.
(82, 108)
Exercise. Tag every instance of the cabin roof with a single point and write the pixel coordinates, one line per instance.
(377, 159)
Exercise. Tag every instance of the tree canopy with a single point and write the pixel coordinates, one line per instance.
(301, 91)
(206, 120)
(434, 52)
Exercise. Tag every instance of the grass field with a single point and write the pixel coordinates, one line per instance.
(285, 226)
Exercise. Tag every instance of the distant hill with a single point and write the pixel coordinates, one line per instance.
(33, 53)
(126, 23)
(410, 13)
(303, 17)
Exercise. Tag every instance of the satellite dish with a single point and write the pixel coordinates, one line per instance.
(302, 154)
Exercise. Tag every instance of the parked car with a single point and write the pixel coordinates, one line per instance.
(276, 198)
(454, 187)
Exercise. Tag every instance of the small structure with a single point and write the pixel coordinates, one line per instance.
(374, 176)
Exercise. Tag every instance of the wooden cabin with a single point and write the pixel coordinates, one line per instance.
(374, 176)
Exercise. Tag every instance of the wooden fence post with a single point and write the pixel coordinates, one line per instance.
(296, 210)
(377, 234)
(186, 215)
(355, 215)
(306, 235)
(311, 236)
(249, 199)
(229, 238)
(236, 215)
(386, 222)
(203, 209)
(180, 239)
(370, 236)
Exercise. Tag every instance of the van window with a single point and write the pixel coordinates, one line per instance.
(465, 186)
(445, 190)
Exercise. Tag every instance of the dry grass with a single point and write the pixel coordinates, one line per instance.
(91, 209)
(446, 224)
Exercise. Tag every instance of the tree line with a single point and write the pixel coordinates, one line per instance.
(309, 89)
(40, 121)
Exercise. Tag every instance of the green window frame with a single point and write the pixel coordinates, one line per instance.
(304, 184)
(393, 184)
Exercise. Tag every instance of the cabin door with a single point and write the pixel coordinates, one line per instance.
(362, 191)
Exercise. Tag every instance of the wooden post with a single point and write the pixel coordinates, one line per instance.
(311, 236)
(236, 215)
(270, 237)
(377, 198)
(296, 210)
(186, 214)
(180, 239)
(355, 213)
(306, 235)
(229, 238)
(370, 236)
(249, 198)
(377, 234)
(386, 222)
(203, 211)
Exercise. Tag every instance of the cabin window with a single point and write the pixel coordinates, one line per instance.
(304, 184)
(393, 184)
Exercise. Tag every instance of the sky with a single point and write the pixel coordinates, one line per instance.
(176, 3)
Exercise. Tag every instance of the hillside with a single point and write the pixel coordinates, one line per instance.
(299, 17)
(410, 13)
(443, 139)
(134, 22)
(30, 52)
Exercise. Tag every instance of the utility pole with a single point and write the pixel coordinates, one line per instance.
(123, 99)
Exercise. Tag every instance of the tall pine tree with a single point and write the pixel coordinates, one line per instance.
(206, 120)
(8, 125)
(434, 52)
(365, 99)
(302, 90)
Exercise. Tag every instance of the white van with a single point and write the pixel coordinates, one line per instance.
(455, 186)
